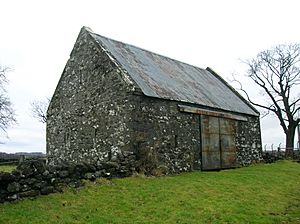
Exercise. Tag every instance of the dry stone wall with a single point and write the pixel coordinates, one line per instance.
(33, 177)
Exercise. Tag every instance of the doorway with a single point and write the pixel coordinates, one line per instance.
(218, 143)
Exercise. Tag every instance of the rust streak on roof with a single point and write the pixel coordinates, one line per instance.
(166, 78)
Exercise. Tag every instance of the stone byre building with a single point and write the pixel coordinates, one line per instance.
(119, 103)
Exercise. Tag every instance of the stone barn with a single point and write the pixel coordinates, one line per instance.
(119, 103)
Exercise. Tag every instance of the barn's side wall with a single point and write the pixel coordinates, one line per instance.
(164, 139)
(88, 114)
(248, 141)
(167, 140)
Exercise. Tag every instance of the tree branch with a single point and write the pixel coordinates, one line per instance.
(39, 109)
(276, 72)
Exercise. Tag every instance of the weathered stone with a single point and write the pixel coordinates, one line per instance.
(91, 167)
(59, 187)
(110, 164)
(248, 142)
(12, 197)
(40, 184)
(24, 187)
(72, 168)
(13, 187)
(6, 178)
(47, 190)
(26, 168)
(29, 193)
(52, 169)
(39, 166)
(107, 175)
(46, 174)
(38, 176)
(63, 173)
(99, 173)
(75, 184)
(67, 180)
(16, 173)
(90, 176)
(31, 181)
(81, 168)
(3, 195)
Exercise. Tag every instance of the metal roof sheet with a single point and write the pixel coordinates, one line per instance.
(163, 77)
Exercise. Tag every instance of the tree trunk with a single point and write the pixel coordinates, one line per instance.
(289, 142)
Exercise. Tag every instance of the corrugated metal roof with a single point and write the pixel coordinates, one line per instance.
(162, 77)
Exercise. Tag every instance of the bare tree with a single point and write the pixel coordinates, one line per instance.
(277, 73)
(7, 114)
(39, 109)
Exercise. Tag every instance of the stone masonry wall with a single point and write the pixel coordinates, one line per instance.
(167, 141)
(248, 141)
(164, 139)
(87, 116)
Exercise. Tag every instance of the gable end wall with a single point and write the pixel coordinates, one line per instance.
(88, 114)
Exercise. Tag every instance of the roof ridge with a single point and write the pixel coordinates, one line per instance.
(143, 49)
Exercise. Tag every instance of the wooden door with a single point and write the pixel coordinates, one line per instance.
(227, 143)
(210, 143)
(218, 143)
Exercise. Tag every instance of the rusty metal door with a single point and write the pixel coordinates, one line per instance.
(210, 143)
(218, 143)
(227, 143)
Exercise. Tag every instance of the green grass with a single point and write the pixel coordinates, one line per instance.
(7, 168)
(265, 193)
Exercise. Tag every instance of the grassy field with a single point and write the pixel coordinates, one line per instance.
(265, 193)
(7, 168)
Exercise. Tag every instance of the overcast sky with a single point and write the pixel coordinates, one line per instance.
(36, 39)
